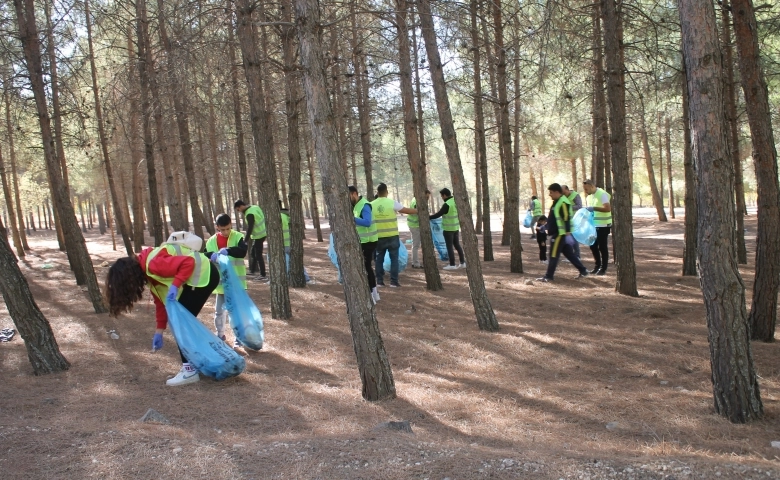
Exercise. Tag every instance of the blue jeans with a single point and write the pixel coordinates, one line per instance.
(387, 244)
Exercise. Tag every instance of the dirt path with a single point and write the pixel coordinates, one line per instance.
(578, 383)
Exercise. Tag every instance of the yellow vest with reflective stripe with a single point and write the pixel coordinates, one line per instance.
(600, 219)
(238, 263)
(383, 214)
(367, 234)
(559, 220)
(286, 229)
(258, 229)
(200, 275)
(449, 222)
(537, 207)
(413, 221)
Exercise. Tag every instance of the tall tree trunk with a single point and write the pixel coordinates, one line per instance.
(419, 178)
(101, 220)
(243, 174)
(731, 118)
(420, 113)
(630, 155)
(315, 211)
(763, 311)
(76, 247)
(363, 106)
(292, 95)
(120, 220)
(668, 138)
(146, 74)
(511, 208)
(183, 125)
(266, 171)
(135, 157)
(599, 101)
(661, 165)
(734, 384)
(42, 349)
(691, 216)
(12, 155)
(216, 178)
(374, 366)
(9, 202)
(486, 318)
(623, 230)
(657, 201)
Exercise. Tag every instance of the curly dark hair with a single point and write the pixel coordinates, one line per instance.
(125, 283)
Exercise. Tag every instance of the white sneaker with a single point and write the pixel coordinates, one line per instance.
(451, 267)
(375, 295)
(462, 265)
(186, 375)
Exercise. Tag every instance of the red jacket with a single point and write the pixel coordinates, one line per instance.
(179, 268)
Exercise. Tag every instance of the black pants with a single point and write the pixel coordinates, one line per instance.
(368, 258)
(452, 240)
(256, 256)
(600, 249)
(542, 249)
(193, 298)
(558, 246)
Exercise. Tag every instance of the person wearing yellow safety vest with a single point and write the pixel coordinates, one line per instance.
(451, 226)
(172, 272)
(536, 210)
(366, 230)
(285, 213)
(576, 204)
(559, 233)
(384, 213)
(255, 236)
(413, 222)
(598, 203)
(231, 243)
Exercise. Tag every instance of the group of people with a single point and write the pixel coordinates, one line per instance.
(556, 227)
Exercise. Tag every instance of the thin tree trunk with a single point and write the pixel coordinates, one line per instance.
(9, 202)
(243, 173)
(74, 240)
(734, 383)
(599, 101)
(373, 364)
(657, 201)
(623, 230)
(12, 155)
(109, 217)
(630, 157)
(668, 135)
(363, 105)
(146, 76)
(691, 216)
(315, 212)
(661, 165)
(266, 171)
(54, 87)
(477, 178)
(421, 115)
(763, 311)
(216, 174)
(486, 318)
(419, 178)
(120, 220)
(101, 220)
(135, 157)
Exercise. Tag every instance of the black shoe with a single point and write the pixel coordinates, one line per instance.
(394, 285)
(602, 272)
(380, 284)
(595, 271)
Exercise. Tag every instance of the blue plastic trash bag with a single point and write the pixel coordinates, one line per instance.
(437, 232)
(245, 318)
(333, 257)
(582, 227)
(529, 219)
(204, 350)
(403, 258)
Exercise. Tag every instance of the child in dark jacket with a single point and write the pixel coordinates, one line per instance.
(541, 238)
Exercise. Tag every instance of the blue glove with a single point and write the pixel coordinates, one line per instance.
(157, 342)
(570, 241)
(223, 251)
(590, 209)
(214, 257)
(173, 291)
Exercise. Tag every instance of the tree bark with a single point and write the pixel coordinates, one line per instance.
(657, 200)
(9, 202)
(373, 364)
(12, 155)
(599, 101)
(135, 157)
(266, 171)
(120, 220)
(691, 216)
(363, 106)
(315, 211)
(623, 230)
(668, 143)
(734, 382)
(763, 311)
(216, 180)
(731, 118)
(419, 177)
(486, 318)
(243, 174)
(76, 247)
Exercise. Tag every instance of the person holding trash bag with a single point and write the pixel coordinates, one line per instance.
(559, 233)
(173, 272)
(536, 210)
(384, 212)
(231, 243)
(366, 228)
(576, 204)
(256, 233)
(413, 221)
(598, 203)
(451, 226)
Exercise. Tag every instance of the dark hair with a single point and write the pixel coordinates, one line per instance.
(427, 191)
(446, 192)
(533, 197)
(589, 182)
(239, 203)
(382, 188)
(565, 186)
(223, 220)
(353, 189)
(124, 286)
(542, 219)
(555, 187)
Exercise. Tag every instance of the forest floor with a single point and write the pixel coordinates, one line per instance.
(579, 382)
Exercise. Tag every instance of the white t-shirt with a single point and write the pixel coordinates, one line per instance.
(397, 206)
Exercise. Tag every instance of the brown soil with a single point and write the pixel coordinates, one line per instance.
(531, 401)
